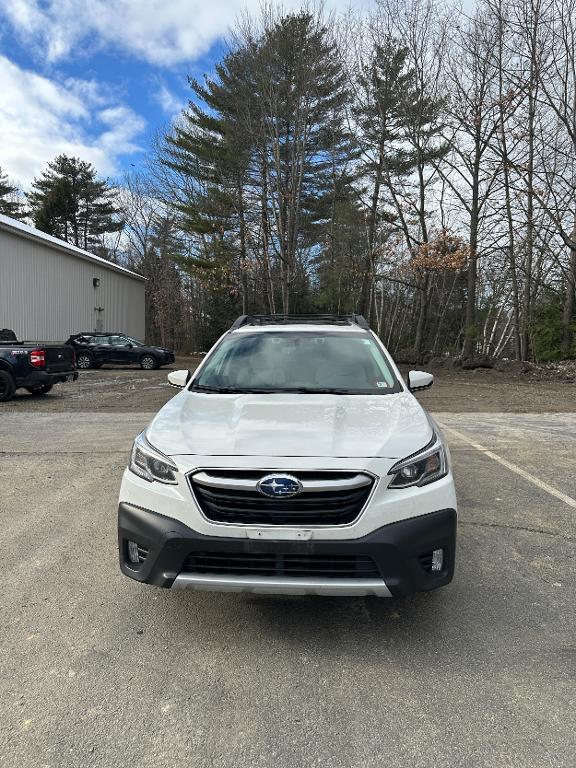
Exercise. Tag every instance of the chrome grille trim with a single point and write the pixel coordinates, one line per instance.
(371, 484)
(359, 480)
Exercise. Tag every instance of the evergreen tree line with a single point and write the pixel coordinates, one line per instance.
(417, 164)
(67, 201)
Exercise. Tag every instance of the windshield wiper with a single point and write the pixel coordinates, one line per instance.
(273, 391)
(222, 390)
(317, 391)
(231, 390)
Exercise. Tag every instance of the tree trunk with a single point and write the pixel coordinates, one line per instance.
(527, 299)
(568, 312)
(507, 196)
(243, 259)
(266, 234)
(471, 330)
(368, 275)
(422, 316)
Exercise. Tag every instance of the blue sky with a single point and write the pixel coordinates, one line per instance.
(97, 83)
(98, 78)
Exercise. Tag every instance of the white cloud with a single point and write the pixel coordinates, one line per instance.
(40, 118)
(170, 103)
(163, 32)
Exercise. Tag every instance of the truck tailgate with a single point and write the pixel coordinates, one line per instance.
(59, 359)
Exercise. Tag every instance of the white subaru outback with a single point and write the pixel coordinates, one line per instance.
(295, 460)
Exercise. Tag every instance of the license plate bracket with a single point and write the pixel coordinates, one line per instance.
(279, 534)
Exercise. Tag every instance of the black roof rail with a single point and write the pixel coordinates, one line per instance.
(288, 319)
(240, 321)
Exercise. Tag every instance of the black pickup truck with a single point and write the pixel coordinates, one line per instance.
(33, 366)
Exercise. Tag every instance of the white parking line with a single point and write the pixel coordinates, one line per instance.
(514, 468)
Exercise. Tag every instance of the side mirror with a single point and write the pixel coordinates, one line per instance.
(179, 378)
(418, 380)
(130, 346)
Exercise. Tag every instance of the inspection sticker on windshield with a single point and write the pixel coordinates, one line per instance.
(381, 384)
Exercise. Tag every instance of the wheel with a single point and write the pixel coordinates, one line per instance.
(42, 389)
(7, 387)
(148, 362)
(83, 361)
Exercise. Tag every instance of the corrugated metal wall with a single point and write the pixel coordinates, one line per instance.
(47, 294)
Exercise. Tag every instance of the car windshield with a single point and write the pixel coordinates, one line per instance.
(299, 361)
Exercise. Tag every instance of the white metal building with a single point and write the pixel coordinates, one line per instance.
(50, 289)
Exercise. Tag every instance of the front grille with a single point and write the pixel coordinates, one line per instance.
(293, 565)
(330, 505)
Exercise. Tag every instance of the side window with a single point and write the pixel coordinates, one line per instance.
(105, 341)
(117, 341)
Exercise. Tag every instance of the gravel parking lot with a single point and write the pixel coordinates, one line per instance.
(96, 670)
(117, 388)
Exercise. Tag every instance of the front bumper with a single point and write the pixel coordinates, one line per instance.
(398, 550)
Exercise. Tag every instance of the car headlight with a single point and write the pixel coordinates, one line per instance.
(150, 464)
(421, 468)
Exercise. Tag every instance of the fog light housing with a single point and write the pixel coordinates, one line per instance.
(133, 554)
(437, 560)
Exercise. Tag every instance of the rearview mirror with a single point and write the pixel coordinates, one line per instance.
(418, 380)
(179, 378)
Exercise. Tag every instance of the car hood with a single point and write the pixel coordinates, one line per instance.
(389, 426)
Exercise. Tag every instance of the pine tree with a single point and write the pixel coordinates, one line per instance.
(262, 147)
(385, 85)
(68, 201)
(400, 134)
(212, 148)
(9, 204)
(164, 285)
(302, 88)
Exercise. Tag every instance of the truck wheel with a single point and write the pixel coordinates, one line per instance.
(148, 362)
(83, 361)
(42, 389)
(7, 387)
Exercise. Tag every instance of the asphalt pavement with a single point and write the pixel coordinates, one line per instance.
(96, 670)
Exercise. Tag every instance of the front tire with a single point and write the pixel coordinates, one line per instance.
(148, 362)
(84, 361)
(41, 390)
(7, 387)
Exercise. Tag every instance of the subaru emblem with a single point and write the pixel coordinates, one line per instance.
(279, 486)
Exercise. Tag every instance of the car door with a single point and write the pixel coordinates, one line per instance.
(134, 349)
(122, 350)
(101, 349)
